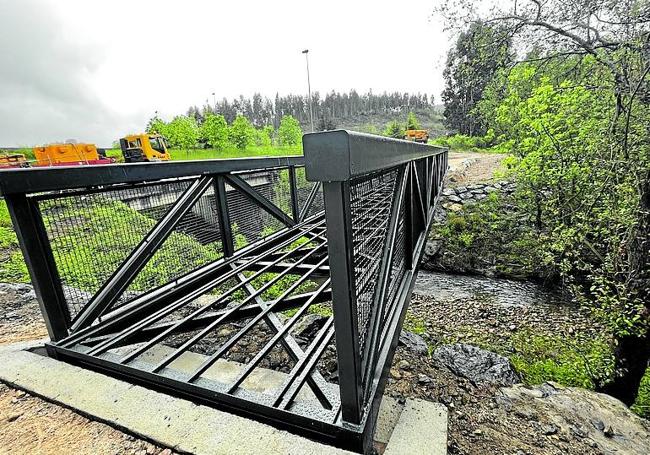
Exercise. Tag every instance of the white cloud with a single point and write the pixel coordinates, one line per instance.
(95, 70)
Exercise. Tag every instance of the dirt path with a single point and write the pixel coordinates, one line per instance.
(20, 317)
(32, 426)
(471, 167)
(29, 425)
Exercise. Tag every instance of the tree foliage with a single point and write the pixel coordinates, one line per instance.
(330, 107)
(214, 131)
(182, 132)
(575, 114)
(412, 122)
(241, 132)
(156, 125)
(289, 132)
(394, 129)
(480, 51)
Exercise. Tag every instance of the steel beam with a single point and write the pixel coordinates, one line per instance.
(223, 213)
(247, 190)
(36, 180)
(340, 247)
(293, 188)
(113, 288)
(41, 265)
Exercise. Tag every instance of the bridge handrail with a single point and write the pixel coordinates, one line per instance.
(33, 180)
(379, 195)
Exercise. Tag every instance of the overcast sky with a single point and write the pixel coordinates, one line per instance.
(96, 70)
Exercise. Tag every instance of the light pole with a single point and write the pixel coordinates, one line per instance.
(214, 100)
(311, 112)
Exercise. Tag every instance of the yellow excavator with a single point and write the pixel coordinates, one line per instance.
(417, 136)
(144, 147)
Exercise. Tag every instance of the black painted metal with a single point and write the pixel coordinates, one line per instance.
(165, 320)
(260, 200)
(224, 216)
(28, 225)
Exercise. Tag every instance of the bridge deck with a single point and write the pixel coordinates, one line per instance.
(249, 315)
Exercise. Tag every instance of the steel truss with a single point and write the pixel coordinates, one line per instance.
(238, 330)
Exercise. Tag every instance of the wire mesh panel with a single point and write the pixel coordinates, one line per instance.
(92, 233)
(304, 191)
(371, 198)
(397, 268)
(194, 242)
(249, 221)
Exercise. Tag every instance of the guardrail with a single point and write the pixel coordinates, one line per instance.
(199, 277)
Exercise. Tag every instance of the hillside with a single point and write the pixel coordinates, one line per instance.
(430, 119)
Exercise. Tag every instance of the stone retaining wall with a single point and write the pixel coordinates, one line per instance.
(455, 197)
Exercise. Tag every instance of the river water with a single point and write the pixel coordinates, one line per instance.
(501, 291)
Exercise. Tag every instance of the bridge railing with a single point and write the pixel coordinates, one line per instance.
(97, 238)
(380, 196)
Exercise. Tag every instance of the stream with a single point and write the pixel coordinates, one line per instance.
(442, 286)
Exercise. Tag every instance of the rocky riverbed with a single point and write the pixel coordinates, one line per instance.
(490, 411)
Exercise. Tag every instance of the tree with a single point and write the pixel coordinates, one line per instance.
(326, 123)
(479, 53)
(289, 132)
(394, 129)
(262, 137)
(331, 108)
(412, 122)
(607, 43)
(214, 131)
(182, 132)
(241, 132)
(156, 125)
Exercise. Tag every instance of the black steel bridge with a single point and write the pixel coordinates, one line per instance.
(208, 307)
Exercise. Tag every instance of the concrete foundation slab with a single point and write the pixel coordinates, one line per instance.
(417, 427)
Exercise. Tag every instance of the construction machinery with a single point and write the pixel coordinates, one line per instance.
(11, 160)
(70, 154)
(417, 136)
(144, 147)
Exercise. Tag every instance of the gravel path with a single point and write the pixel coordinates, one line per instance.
(472, 167)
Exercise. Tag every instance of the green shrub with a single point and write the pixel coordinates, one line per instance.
(575, 361)
(490, 234)
(289, 132)
(241, 132)
(462, 142)
(642, 404)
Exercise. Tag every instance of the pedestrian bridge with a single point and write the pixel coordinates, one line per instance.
(204, 278)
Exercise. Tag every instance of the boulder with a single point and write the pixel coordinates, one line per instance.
(432, 247)
(23, 291)
(413, 342)
(595, 419)
(308, 325)
(477, 365)
(476, 186)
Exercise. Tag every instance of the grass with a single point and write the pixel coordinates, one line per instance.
(231, 152)
(12, 265)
